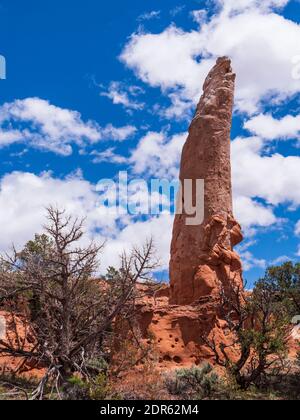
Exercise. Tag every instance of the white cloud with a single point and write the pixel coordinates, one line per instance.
(180, 60)
(160, 228)
(251, 213)
(158, 155)
(230, 6)
(166, 59)
(154, 14)
(270, 128)
(256, 193)
(177, 10)
(179, 107)
(249, 261)
(273, 178)
(108, 155)
(51, 127)
(281, 260)
(121, 94)
(23, 197)
(38, 123)
(118, 134)
(8, 137)
(199, 16)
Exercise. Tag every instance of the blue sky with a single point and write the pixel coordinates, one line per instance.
(95, 87)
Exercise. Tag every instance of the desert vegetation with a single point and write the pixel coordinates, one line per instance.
(258, 354)
(78, 331)
(60, 313)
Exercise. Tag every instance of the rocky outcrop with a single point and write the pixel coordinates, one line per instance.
(10, 324)
(202, 256)
(184, 316)
(177, 331)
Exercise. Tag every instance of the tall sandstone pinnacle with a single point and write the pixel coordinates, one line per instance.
(202, 257)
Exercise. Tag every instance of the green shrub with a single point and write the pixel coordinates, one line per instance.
(99, 388)
(79, 389)
(194, 383)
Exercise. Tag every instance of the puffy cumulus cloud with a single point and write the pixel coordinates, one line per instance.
(200, 16)
(251, 213)
(256, 193)
(38, 123)
(167, 60)
(270, 128)
(8, 137)
(177, 61)
(50, 127)
(23, 197)
(160, 228)
(230, 6)
(158, 155)
(273, 178)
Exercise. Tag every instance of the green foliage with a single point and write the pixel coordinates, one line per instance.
(258, 323)
(98, 365)
(271, 316)
(285, 284)
(194, 383)
(96, 388)
(112, 275)
(99, 388)
(261, 336)
(37, 248)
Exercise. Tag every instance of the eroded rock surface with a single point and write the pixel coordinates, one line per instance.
(182, 317)
(202, 256)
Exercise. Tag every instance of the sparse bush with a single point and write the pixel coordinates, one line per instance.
(70, 312)
(193, 383)
(77, 388)
(258, 323)
(99, 388)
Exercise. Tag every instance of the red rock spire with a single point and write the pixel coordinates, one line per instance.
(202, 256)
